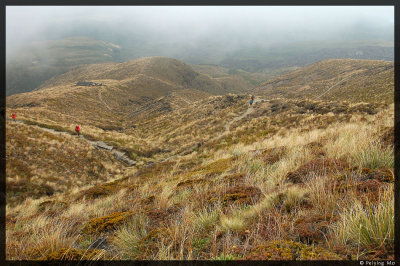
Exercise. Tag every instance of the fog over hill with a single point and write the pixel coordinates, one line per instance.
(136, 137)
(255, 39)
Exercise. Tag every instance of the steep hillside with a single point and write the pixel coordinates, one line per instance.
(161, 69)
(28, 68)
(122, 91)
(42, 163)
(340, 79)
(280, 180)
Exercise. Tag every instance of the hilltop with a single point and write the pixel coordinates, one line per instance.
(340, 79)
(28, 67)
(156, 83)
(167, 71)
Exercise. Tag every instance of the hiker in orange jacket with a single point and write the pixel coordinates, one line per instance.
(77, 129)
(13, 116)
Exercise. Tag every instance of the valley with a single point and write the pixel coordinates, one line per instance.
(206, 176)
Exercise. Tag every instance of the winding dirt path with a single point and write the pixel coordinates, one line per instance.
(248, 111)
(145, 108)
(184, 99)
(101, 99)
(333, 86)
(120, 155)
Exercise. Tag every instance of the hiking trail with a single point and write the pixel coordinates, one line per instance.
(119, 155)
(334, 85)
(145, 108)
(101, 99)
(248, 111)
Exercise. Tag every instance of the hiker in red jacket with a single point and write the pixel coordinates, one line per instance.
(13, 116)
(251, 100)
(77, 129)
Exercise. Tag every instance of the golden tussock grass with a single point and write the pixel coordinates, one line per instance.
(220, 202)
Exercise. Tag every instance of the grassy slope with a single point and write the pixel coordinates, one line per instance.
(41, 163)
(362, 80)
(127, 87)
(230, 198)
(267, 188)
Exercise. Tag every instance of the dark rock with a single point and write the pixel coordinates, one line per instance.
(100, 243)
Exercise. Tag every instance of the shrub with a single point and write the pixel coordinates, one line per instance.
(291, 199)
(371, 227)
(375, 156)
(127, 237)
(321, 166)
(106, 223)
(206, 219)
(236, 223)
(238, 195)
(313, 227)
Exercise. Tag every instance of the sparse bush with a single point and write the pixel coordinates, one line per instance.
(291, 199)
(127, 237)
(369, 227)
(235, 223)
(206, 220)
(375, 156)
(48, 236)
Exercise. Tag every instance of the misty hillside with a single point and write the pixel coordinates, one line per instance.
(265, 59)
(28, 68)
(170, 72)
(124, 89)
(205, 133)
(335, 79)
